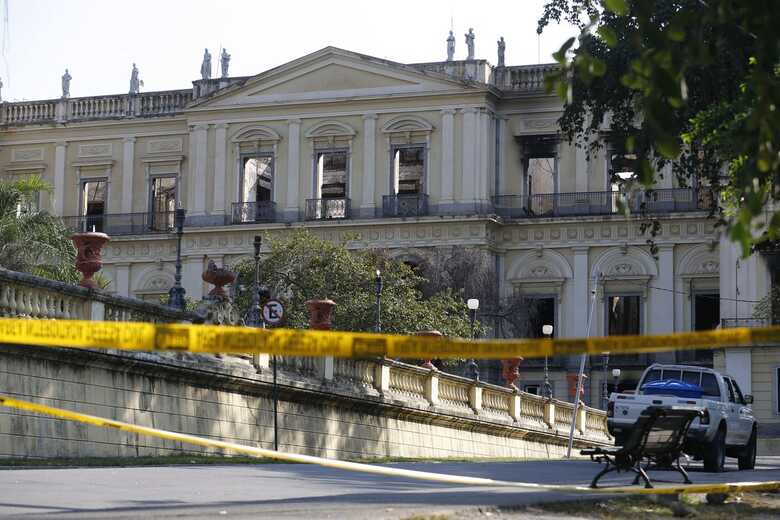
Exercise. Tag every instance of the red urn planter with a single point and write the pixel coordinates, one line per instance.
(88, 257)
(219, 277)
(511, 371)
(434, 333)
(320, 314)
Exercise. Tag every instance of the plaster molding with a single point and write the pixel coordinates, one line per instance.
(330, 128)
(255, 133)
(407, 123)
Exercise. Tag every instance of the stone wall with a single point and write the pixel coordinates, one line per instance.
(365, 408)
(764, 362)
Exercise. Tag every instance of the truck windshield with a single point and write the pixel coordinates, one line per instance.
(710, 386)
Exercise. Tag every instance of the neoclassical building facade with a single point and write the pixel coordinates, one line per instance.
(408, 157)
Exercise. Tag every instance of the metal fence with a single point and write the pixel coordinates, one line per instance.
(327, 209)
(122, 223)
(247, 212)
(405, 205)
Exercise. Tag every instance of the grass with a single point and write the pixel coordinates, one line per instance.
(106, 462)
(737, 506)
(172, 460)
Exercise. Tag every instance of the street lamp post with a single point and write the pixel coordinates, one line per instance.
(472, 368)
(177, 292)
(605, 390)
(378, 290)
(255, 316)
(259, 295)
(547, 330)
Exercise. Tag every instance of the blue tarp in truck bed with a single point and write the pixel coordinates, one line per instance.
(673, 387)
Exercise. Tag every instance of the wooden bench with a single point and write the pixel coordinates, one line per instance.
(657, 439)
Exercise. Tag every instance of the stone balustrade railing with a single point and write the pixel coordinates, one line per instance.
(148, 104)
(24, 295)
(27, 296)
(525, 78)
(446, 393)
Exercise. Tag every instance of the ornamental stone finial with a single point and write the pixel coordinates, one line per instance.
(450, 47)
(205, 67)
(470, 44)
(501, 51)
(66, 84)
(225, 62)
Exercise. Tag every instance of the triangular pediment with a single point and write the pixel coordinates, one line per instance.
(331, 74)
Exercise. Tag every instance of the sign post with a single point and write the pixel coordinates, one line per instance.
(273, 314)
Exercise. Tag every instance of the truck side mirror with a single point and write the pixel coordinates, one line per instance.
(748, 399)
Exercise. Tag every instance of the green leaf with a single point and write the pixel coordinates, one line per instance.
(608, 35)
(560, 55)
(668, 146)
(619, 7)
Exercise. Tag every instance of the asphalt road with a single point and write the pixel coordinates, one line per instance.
(295, 491)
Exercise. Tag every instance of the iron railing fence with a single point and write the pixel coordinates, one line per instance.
(327, 209)
(248, 212)
(405, 205)
(122, 223)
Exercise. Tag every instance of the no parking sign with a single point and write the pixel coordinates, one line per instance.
(273, 312)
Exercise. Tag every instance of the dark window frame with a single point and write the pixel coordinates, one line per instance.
(242, 174)
(395, 176)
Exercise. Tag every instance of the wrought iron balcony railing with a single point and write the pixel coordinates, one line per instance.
(122, 223)
(405, 205)
(248, 212)
(665, 200)
(734, 323)
(327, 209)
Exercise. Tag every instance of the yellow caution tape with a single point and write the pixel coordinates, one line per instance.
(733, 487)
(289, 342)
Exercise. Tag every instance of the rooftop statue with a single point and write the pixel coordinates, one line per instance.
(66, 84)
(450, 47)
(470, 43)
(135, 83)
(501, 50)
(225, 62)
(1, 90)
(205, 67)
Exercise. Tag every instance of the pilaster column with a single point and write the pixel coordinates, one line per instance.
(468, 179)
(661, 316)
(122, 279)
(447, 156)
(578, 306)
(128, 170)
(60, 154)
(368, 204)
(500, 174)
(486, 145)
(293, 165)
(198, 170)
(191, 276)
(581, 165)
(220, 167)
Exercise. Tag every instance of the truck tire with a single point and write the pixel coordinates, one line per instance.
(715, 452)
(747, 457)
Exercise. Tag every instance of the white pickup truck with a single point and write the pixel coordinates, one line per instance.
(728, 426)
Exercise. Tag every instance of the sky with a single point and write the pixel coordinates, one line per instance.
(99, 40)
